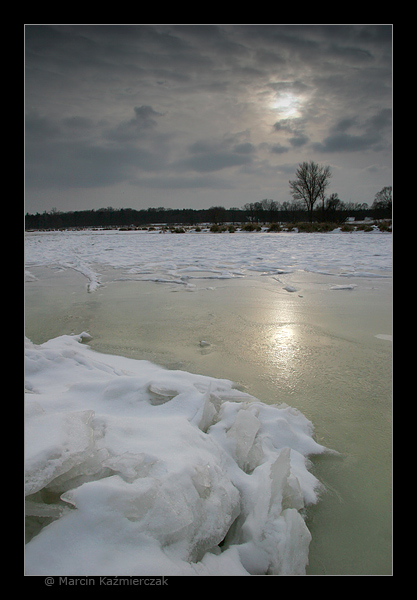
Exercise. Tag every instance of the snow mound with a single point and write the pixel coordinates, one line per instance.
(136, 470)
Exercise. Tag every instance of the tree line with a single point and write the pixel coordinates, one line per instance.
(264, 211)
(311, 183)
(309, 203)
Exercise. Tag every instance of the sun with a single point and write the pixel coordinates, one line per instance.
(287, 105)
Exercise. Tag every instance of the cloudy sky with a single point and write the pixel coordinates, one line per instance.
(191, 116)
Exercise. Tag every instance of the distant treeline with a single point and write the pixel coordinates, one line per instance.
(265, 211)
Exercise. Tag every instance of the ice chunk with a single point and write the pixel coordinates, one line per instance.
(350, 286)
(281, 550)
(208, 412)
(54, 443)
(292, 495)
(41, 509)
(159, 394)
(169, 510)
(226, 563)
(130, 466)
(273, 537)
(384, 336)
(88, 469)
(285, 487)
(279, 473)
(292, 539)
(244, 431)
(114, 494)
(202, 480)
(84, 336)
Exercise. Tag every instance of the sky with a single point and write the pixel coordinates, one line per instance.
(193, 116)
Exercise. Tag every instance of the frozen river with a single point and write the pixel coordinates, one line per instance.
(301, 319)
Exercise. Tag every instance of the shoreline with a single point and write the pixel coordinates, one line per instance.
(367, 226)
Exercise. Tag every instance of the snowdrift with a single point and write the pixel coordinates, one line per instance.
(132, 469)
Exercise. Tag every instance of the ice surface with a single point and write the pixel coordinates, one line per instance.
(180, 260)
(133, 469)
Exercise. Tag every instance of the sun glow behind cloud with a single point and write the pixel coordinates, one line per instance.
(286, 105)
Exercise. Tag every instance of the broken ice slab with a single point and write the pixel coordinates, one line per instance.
(244, 431)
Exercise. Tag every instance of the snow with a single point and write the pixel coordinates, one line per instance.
(133, 469)
(182, 260)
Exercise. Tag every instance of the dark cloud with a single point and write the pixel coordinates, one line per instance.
(375, 134)
(349, 52)
(345, 142)
(64, 154)
(183, 182)
(299, 140)
(216, 156)
(122, 109)
(293, 130)
(245, 148)
(278, 149)
(74, 165)
(285, 125)
(78, 124)
(145, 119)
(39, 128)
(344, 124)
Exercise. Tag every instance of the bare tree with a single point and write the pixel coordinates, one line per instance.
(383, 199)
(310, 184)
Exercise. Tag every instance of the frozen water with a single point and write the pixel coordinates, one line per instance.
(135, 469)
(179, 260)
(316, 349)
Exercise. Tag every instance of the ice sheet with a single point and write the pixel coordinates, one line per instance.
(134, 469)
(173, 259)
